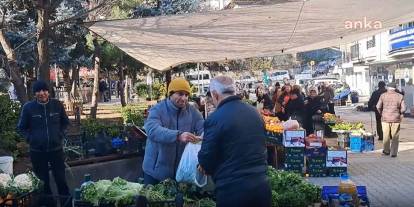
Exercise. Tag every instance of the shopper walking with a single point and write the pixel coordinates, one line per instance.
(391, 106)
(372, 103)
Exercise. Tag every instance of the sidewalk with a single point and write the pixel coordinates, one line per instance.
(389, 180)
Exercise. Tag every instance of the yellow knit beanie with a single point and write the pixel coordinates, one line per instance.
(179, 84)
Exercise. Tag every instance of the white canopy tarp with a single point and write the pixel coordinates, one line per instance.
(167, 41)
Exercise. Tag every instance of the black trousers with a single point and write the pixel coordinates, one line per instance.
(41, 162)
(379, 126)
(331, 108)
(247, 193)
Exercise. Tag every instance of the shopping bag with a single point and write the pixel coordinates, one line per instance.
(187, 171)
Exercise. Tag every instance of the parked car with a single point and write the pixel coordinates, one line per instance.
(279, 75)
(247, 79)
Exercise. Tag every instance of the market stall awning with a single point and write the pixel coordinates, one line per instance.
(167, 41)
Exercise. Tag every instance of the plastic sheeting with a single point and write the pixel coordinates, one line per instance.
(167, 41)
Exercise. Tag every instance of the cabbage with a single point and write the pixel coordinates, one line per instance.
(5, 181)
(24, 183)
(118, 192)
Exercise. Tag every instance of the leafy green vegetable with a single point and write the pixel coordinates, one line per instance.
(90, 194)
(120, 192)
(206, 202)
(291, 190)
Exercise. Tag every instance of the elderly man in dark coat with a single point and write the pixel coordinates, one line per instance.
(233, 149)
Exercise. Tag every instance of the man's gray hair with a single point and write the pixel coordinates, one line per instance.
(223, 85)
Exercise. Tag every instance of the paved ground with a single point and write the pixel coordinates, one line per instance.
(389, 180)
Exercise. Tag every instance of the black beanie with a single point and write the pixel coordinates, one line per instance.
(40, 85)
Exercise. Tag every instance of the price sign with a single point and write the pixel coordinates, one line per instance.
(336, 158)
(295, 138)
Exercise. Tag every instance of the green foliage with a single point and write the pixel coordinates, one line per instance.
(124, 8)
(91, 127)
(8, 142)
(291, 190)
(113, 130)
(142, 90)
(318, 55)
(159, 90)
(9, 111)
(256, 64)
(133, 114)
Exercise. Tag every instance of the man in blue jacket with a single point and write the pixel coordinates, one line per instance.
(43, 122)
(233, 149)
(170, 125)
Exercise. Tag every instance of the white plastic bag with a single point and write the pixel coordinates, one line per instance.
(187, 171)
(291, 124)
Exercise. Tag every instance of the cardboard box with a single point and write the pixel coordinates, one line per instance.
(290, 160)
(315, 151)
(294, 165)
(317, 171)
(294, 150)
(294, 138)
(337, 158)
(336, 171)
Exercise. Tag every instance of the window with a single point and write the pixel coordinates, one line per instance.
(371, 43)
(355, 51)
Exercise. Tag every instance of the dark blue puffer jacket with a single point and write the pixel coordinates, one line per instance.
(43, 125)
(233, 148)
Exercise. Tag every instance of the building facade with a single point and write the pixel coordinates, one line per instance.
(386, 56)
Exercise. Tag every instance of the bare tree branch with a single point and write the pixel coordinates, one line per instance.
(103, 5)
(3, 18)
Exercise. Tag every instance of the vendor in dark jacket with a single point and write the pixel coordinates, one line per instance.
(233, 151)
(314, 108)
(372, 106)
(43, 122)
(295, 107)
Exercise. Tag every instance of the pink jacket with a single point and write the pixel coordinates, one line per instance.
(391, 106)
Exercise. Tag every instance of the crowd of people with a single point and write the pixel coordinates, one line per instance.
(233, 147)
(293, 102)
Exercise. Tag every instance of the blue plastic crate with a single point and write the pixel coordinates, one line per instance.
(369, 144)
(356, 144)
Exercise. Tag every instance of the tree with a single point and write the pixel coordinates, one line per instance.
(105, 7)
(16, 29)
(318, 55)
(43, 8)
(68, 45)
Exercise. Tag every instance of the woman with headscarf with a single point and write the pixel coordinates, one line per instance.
(314, 107)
